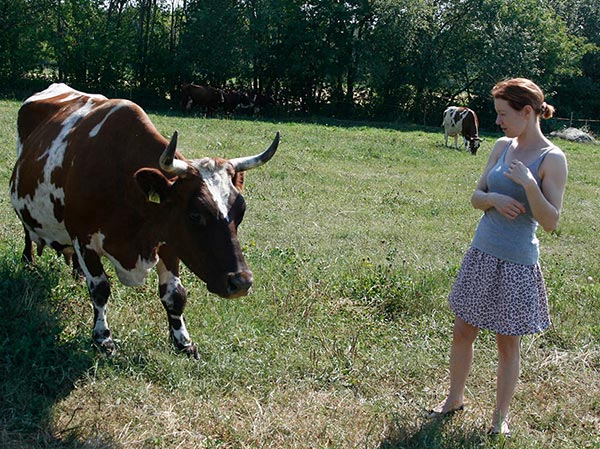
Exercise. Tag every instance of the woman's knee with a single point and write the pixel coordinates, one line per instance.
(509, 346)
(464, 332)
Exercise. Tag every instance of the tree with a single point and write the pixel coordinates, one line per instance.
(23, 34)
(211, 46)
(405, 59)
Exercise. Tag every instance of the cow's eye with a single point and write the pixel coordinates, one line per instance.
(197, 217)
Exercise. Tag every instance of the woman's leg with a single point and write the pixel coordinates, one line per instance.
(461, 359)
(507, 377)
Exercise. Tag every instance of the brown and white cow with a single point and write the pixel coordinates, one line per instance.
(94, 177)
(463, 121)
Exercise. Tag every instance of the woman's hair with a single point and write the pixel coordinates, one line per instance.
(520, 92)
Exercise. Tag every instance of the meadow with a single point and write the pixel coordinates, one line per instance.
(355, 233)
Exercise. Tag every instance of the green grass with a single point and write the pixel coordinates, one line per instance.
(354, 234)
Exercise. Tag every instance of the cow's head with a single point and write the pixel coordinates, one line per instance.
(474, 144)
(186, 99)
(201, 204)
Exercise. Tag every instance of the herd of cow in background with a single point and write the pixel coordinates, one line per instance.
(210, 99)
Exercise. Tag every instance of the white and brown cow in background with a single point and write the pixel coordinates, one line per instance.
(463, 121)
(94, 178)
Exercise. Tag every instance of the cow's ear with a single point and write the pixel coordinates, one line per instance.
(238, 180)
(154, 184)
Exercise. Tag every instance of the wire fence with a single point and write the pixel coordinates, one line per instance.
(572, 122)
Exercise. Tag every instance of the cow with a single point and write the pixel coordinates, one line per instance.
(236, 100)
(207, 98)
(261, 102)
(94, 179)
(461, 120)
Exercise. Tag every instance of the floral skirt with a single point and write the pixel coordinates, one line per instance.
(507, 298)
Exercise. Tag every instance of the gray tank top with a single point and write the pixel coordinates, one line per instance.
(511, 240)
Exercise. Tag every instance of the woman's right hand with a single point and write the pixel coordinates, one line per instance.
(507, 206)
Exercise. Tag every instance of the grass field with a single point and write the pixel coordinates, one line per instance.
(354, 234)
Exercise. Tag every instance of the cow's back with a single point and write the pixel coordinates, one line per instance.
(48, 109)
(72, 149)
(452, 122)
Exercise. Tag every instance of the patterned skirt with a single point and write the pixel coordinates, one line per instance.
(507, 298)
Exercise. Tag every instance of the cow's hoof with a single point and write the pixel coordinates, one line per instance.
(191, 351)
(106, 346)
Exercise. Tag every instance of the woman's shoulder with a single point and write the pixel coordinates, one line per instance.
(503, 142)
(554, 160)
(554, 153)
(498, 148)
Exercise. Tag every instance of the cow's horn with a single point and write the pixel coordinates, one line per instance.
(167, 159)
(247, 163)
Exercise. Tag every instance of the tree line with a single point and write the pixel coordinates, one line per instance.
(376, 59)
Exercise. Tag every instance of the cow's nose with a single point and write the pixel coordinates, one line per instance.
(239, 283)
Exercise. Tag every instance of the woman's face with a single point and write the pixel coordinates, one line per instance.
(512, 122)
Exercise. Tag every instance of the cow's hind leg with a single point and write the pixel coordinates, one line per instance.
(99, 289)
(27, 256)
(174, 298)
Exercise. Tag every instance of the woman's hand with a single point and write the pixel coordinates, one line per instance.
(508, 206)
(519, 173)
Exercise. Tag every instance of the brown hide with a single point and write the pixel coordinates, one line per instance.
(102, 193)
(207, 98)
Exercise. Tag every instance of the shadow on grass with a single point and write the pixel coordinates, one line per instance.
(38, 367)
(433, 434)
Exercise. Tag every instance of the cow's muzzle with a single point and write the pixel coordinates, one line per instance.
(239, 283)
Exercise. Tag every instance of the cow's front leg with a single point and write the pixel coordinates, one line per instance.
(174, 297)
(99, 289)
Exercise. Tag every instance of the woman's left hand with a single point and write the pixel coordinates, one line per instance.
(519, 173)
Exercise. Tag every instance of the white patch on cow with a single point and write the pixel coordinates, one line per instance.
(129, 277)
(173, 283)
(84, 268)
(41, 205)
(56, 152)
(452, 126)
(96, 243)
(94, 132)
(92, 282)
(136, 275)
(54, 90)
(19, 147)
(218, 182)
(57, 89)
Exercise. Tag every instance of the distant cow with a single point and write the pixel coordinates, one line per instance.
(207, 98)
(94, 178)
(261, 102)
(460, 120)
(236, 100)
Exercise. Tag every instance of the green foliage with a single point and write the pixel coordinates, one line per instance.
(397, 293)
(361, 58)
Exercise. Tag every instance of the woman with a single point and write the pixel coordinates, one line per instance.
(500, 285)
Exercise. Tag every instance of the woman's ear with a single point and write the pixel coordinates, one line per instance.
(528, 110)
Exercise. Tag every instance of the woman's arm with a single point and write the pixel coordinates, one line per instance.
(545, 200)
(483, 199)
